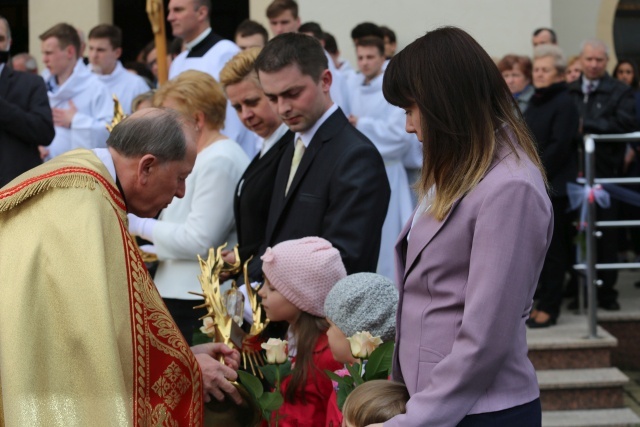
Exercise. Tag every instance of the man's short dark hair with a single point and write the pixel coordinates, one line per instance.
(293, 49)
(159, 132)
(371, 41)
(388, 33)
(66, 35)
(554, 38)
(312, 28)
(106, 31)
(330, 44)
(248, 28)
(278, 7)
(366, 29)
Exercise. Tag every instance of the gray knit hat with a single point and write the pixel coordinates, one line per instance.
(364, 302)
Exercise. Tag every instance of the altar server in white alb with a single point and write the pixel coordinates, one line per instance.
(105, 48)
(81, 105)
(207, 52)
(383, 124)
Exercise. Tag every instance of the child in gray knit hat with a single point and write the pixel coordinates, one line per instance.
(360, 302)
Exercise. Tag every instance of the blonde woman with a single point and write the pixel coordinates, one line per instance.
(203, 217)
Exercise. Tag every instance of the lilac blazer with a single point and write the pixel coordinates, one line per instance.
(466, 287)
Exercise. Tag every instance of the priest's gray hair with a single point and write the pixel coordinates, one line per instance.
(156, 131)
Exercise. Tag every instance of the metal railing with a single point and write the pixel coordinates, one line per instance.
(590, 265)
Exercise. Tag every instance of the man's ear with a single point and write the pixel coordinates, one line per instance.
(203, 12)
(118, 52)
(71, 51)
(325, 80)
(145, 165)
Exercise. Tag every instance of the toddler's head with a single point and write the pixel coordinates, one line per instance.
(298, 276)
(360, 302)
(373, 402)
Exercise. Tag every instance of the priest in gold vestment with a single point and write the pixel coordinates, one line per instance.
(85, 339)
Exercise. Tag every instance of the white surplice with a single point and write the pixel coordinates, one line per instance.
(95, 111)
(384, 125)
(124, 85)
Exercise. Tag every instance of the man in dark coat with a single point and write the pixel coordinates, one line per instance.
(25, 115)
(606, 106)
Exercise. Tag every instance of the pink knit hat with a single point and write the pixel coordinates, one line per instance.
(304, 271)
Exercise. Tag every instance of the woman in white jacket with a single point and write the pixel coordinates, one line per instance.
(203, 218)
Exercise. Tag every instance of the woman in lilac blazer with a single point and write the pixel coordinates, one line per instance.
(469, 260)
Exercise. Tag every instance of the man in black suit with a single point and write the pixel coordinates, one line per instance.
(331, 181)
(25, 115)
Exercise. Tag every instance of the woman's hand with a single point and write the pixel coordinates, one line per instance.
(230, 258)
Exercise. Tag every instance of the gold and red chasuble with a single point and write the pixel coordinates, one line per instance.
(85, 338)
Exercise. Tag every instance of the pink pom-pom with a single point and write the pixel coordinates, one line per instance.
(268, 255)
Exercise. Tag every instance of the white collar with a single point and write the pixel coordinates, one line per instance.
(307, 136)
(198, 39)
(271, 140)
(105, 157)
(1, 68)
(117, 71)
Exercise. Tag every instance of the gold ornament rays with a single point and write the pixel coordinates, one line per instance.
(227, 330)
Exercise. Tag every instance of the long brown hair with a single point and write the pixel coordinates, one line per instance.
(464, 103)
(306, 330)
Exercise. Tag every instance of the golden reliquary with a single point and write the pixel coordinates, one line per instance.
(226, 309)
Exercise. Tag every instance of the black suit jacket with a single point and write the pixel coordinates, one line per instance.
(340, 192)
(25, 122)
(252, 199)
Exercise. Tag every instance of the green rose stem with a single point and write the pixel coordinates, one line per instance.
(278, 389)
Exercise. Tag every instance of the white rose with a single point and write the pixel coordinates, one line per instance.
(362, 344)
(208, 327)
(276, 351)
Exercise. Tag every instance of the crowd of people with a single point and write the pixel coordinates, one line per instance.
(398, 196)
(561, 100)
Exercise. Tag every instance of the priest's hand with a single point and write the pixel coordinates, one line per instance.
(353, 120)
(215, 350)
(216, 376)
(64, 116)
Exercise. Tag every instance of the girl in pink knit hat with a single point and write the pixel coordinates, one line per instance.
(298, 276)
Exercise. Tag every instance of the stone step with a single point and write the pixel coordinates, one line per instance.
(591, 418)
(627, 332)
(572, 389)
(566, 345)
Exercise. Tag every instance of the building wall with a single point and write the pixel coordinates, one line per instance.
(577, 20)
(83, 14)
(500, 26)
